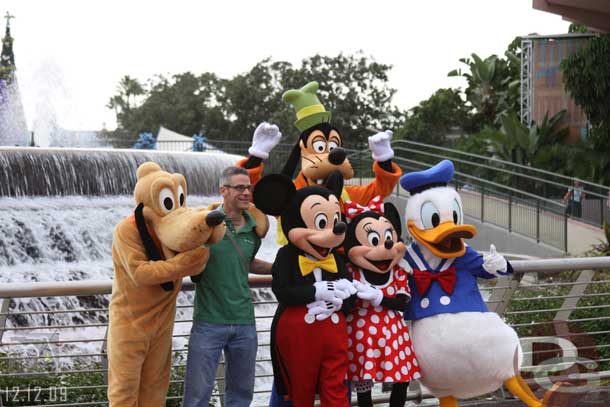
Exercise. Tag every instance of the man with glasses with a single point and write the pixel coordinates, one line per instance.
(223, 319)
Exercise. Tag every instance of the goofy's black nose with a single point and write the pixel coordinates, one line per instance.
(337, 156)
(339, 228)
(214, 218)
(388, 244)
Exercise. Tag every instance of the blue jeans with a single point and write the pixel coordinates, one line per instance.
(206, 343)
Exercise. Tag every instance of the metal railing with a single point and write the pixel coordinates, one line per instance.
(535, 181)
(52, 352)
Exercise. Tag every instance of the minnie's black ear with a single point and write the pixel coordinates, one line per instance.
(272, 194)
(334, 182)
(391, 213)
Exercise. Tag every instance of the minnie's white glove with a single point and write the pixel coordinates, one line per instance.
(344, 288)
(369, 293)
(494, 263)
(379, 144)
(266, 136)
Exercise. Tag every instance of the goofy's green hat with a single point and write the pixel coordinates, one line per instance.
(307, 105)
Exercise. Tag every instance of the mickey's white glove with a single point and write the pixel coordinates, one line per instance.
(369, 293)
(494, 263)
(379, 144)
(323, 309)
(266, 136)
(344, 288)
(325, 291)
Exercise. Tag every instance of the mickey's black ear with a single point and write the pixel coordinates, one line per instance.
(391, 213)
(334, 182)
(272, 194)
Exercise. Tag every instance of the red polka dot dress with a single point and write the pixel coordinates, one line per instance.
(380, 348)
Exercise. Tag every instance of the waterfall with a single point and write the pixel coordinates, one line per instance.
(99, 172)
(58, 208)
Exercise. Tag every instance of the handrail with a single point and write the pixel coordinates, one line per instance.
(509, 163)
(495, 184)
(99, 287)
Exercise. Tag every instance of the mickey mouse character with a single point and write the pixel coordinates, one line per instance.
(380, 348)
(320, 152)
(308, 332)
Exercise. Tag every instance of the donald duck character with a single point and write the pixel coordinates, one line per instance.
(463, 349)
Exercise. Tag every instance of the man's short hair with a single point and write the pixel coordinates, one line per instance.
(227, 173)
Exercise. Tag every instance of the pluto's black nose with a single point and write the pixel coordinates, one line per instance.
(214, 218)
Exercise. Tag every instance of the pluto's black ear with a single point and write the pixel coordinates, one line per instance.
(334, 182)
(272, 194)
(391, 213)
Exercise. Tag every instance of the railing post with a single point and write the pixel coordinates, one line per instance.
(3, 315)
(537, 220)
(483, 203)
(565, 229)
(510, 212)
(578, 289)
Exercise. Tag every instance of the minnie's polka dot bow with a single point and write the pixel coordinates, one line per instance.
(353, 209)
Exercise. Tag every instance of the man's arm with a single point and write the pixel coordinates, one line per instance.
(260, 267)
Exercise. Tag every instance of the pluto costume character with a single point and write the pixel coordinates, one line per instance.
(463, 349)
(320, 152)
(152, 251)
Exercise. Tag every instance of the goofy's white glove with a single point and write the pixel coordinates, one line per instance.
(369, 293)
(266, 136)
(322, 309)
(379, 144)
(494, 263)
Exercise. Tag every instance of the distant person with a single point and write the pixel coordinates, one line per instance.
(574, 198)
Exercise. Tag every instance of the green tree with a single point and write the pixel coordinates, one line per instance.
(493, 84)
(587, 79)
(353, 87)
(433, 119)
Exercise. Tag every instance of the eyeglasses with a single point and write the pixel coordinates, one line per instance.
(240, 188)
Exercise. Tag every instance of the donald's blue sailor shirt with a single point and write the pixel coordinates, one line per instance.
(465, 297)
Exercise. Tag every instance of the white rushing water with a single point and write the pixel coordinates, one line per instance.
(70, 238)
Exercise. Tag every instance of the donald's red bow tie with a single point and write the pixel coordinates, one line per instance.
(446, 279)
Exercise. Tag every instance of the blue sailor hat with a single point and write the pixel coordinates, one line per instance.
(437, 176)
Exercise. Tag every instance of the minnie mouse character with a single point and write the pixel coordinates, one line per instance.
(308, 332)
(380, 348)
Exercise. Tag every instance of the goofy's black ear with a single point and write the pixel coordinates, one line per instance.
(272, 194)
(391, 213)
(334, 182)
(293, 160)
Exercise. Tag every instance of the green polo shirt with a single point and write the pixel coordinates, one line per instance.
(222, 296)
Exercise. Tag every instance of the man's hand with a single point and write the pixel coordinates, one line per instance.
(266, 136)
(379, 144)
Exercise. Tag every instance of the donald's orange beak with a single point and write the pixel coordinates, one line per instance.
(445, 240)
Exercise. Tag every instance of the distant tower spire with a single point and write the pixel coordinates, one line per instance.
(13, 129)
(7, 58)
